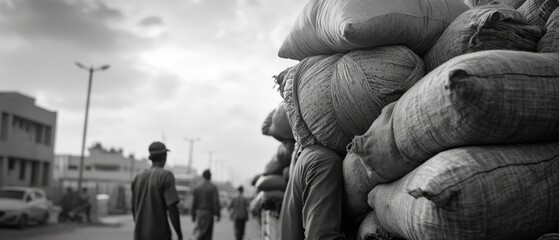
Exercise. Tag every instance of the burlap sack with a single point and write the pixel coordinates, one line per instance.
(356, 186)
(284, 153)
(488, 27)
(537, 12)
(486, 192)
(512, 3)
(267, 123)
(271, 200)
(489, 97)
(271, 182)
(282, 77)
(273, 167)
(254, 179)
(326, 27)
(279, 127)
(370, 229)
(332, 98)
(550, 40)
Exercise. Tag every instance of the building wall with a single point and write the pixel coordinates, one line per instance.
(105, 172)
(27, 134)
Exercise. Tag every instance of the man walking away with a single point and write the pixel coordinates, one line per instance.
(239, 213)
(153, 195)
(205, 206)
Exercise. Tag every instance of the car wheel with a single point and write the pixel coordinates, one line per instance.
(45, 218)
(22, 224)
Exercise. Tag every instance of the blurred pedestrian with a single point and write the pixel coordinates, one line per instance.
(68, 203)
(205, 206)
(85, 202)
(155, 198)
(239, 213)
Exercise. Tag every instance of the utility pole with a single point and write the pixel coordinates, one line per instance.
(91, 69)
(191, 147)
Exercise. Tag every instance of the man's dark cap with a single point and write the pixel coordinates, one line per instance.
(157, 148)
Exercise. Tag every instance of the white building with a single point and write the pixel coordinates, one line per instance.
(26, 141)
(106, 171)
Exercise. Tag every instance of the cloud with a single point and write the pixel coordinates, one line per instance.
(151, 21)
(84, 24)
(205, 71)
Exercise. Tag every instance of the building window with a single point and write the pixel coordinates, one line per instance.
(11, 164)
(35, 165)
(72, 167)
(22, 169)
(23, 129)
(47, 135)
(105, 167)
(46, 168)
(88, 168)
(39, 133)
(4, 127)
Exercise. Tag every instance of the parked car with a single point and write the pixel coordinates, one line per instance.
(22, 205)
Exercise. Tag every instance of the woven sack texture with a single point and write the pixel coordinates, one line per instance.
(326, 27)
(480, 192)
(488, 97)
(537, 12)
(356, 186)
(332, 98)
(271, 182)
(512, 3)
(371, 229)
(279, 128)
(282, 77)
(550, 40)
(487, 27)
(284, 153)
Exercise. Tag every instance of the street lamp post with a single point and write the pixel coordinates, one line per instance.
(91, 69)
(191, 141)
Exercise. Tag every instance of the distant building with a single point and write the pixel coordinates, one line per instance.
(26, 141)
(106, 171)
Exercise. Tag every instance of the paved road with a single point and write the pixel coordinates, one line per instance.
(118, 227)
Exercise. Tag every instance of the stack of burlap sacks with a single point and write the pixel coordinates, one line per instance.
(446, 113)
(271, 183)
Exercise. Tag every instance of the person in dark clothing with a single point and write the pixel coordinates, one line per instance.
(85, 202)
(205, 206)
(153, 196)
(239, 213)
(312, 206)
(68, 203)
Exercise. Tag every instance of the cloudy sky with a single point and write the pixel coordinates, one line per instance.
(179, 68)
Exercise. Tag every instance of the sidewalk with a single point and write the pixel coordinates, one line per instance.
(253, 230)
(106, 220)
(113, 220)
